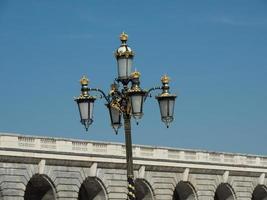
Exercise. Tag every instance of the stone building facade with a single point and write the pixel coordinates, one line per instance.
(43, 168)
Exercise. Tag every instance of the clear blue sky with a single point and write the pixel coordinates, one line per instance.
(214, 51)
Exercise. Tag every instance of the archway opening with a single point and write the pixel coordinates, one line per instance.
(184, 191)
(259, 193)
(91, 189)
(143, 190)
(39, 188)
(224, 192)
(1, 197)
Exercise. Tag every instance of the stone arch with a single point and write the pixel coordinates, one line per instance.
(92, 189)
(184, 190)
(224, 192)
(143, 190)
(40, 187)
(1, 196)
(259, 193)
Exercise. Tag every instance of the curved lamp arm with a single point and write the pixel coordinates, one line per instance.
(151, 90)
(102, 92)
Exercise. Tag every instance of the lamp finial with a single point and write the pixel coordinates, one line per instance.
(123, 37)
(165, 79)
(84, 80)
(136, 74)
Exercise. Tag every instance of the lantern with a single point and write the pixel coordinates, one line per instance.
(115, 116)
(124, 56)
(85, 104)
(137, 96)
(166, 102)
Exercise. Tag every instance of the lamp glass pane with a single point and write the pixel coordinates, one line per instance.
(163, 104)
(129, 66)
(115, 116)
(84, 110)
(171, 107)
(124, 67)
(91, 109)
(137, 105)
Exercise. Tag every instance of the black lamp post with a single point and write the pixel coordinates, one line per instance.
(124, 101)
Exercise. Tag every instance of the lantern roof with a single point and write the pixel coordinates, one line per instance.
(124, 50)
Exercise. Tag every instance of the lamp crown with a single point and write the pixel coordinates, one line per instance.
(165, 79)
(123, 37)
(136, 74)
(84, 80)
(113, 86)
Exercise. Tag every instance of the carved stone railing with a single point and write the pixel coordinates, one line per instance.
(49, 144)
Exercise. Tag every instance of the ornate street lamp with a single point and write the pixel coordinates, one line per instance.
(115, 117)
(126, 101)
(137, 96)
(166, 102)
(85, 104)
(124, 56)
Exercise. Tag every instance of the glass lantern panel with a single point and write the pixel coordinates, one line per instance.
(124, 67)
(91, 109)
(171, 107)
(115, 116)
(137, 105)
(84, 110)
(164, 109)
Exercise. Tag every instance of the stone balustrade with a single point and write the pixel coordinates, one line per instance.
(118, 149)
(47, 168)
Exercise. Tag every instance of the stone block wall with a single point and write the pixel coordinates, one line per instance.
(60, 169)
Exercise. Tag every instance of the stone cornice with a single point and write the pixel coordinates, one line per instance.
(22, 148)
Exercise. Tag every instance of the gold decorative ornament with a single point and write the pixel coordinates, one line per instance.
(113, 87)
(136, 74)
(124, 50)
(116, 105)
(123, 37)
(165, 79)
(165, 94)
(126, 53)
(84, 80)
(131, 186)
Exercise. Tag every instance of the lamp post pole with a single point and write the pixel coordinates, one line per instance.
(129, 156)
(127, 102)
